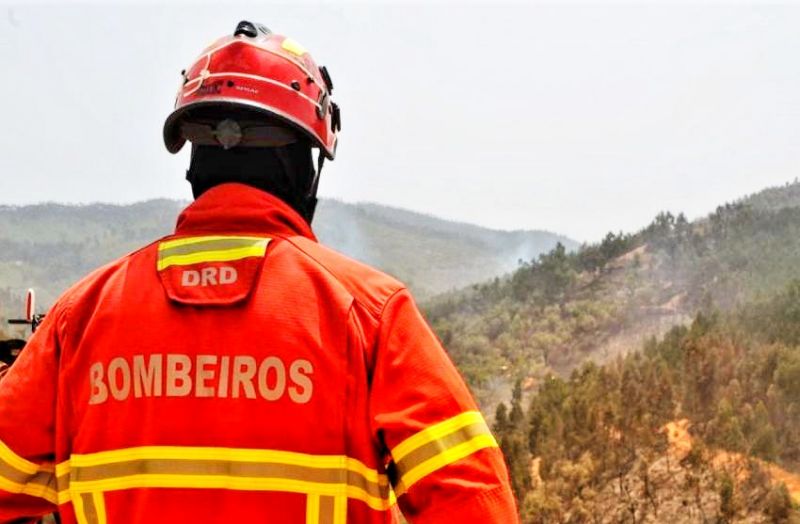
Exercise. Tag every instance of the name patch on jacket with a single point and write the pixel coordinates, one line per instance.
(216, 270)
(178, 375)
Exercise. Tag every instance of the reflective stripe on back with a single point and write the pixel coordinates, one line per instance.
(327, 480)
(195, 250)
(215, 270)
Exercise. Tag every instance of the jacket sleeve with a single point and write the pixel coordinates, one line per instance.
(27, 419)
(445, 465)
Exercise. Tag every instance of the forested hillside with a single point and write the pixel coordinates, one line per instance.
(652, 377)
(50, 246)
(775, 198)
(565, 307)
(700, 426)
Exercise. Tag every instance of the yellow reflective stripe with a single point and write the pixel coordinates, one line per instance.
(439, 445)
(435, 432)
(90, 508)
(19, 475)
(449, 456)
(436, 447)
(312, 509)
(322, 509)
(100, 507)
(17, 462)
(340, 510)
(225, 255)
(230, 454)
(167, 244)
(80, 510)
(87, 495)
(208, 245)
(229, 482)
(63, 469)
(35, 490)
(376, 494)
(293, 46)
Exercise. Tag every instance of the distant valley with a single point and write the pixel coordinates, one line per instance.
(50, 246)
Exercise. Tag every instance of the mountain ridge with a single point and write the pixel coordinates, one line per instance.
(50, 245)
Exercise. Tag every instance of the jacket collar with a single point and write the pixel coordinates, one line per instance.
(238, 208)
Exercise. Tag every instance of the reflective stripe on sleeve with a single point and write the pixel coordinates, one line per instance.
(439, 445)
(196, 250)
(18, 475)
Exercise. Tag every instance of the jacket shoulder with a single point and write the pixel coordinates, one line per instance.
(368, 286)
(91, 286)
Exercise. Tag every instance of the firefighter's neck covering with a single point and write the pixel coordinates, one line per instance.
(286, 172)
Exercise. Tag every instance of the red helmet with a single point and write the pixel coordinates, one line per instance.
(258, 70)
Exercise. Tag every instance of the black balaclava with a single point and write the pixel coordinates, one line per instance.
(287, 172)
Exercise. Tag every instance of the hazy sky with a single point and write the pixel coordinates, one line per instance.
(576, 119)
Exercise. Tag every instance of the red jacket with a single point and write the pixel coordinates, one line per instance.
(237, 371)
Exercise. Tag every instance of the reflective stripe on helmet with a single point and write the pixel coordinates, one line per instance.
(293, 46)
(439, 445)
(207, 56)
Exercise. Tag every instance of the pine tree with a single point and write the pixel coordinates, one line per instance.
(501, 424)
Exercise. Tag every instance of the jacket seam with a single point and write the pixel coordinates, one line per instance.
(376, 315)
(375, 342)
(63, 340)
(71, 296)
(386, 303)
(374, 346)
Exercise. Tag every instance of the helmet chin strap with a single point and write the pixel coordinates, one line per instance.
(311, 196)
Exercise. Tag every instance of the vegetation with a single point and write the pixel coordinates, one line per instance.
(695, 419)
(733, 377)
(565, 307)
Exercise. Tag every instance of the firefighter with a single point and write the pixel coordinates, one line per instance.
(236, 370)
